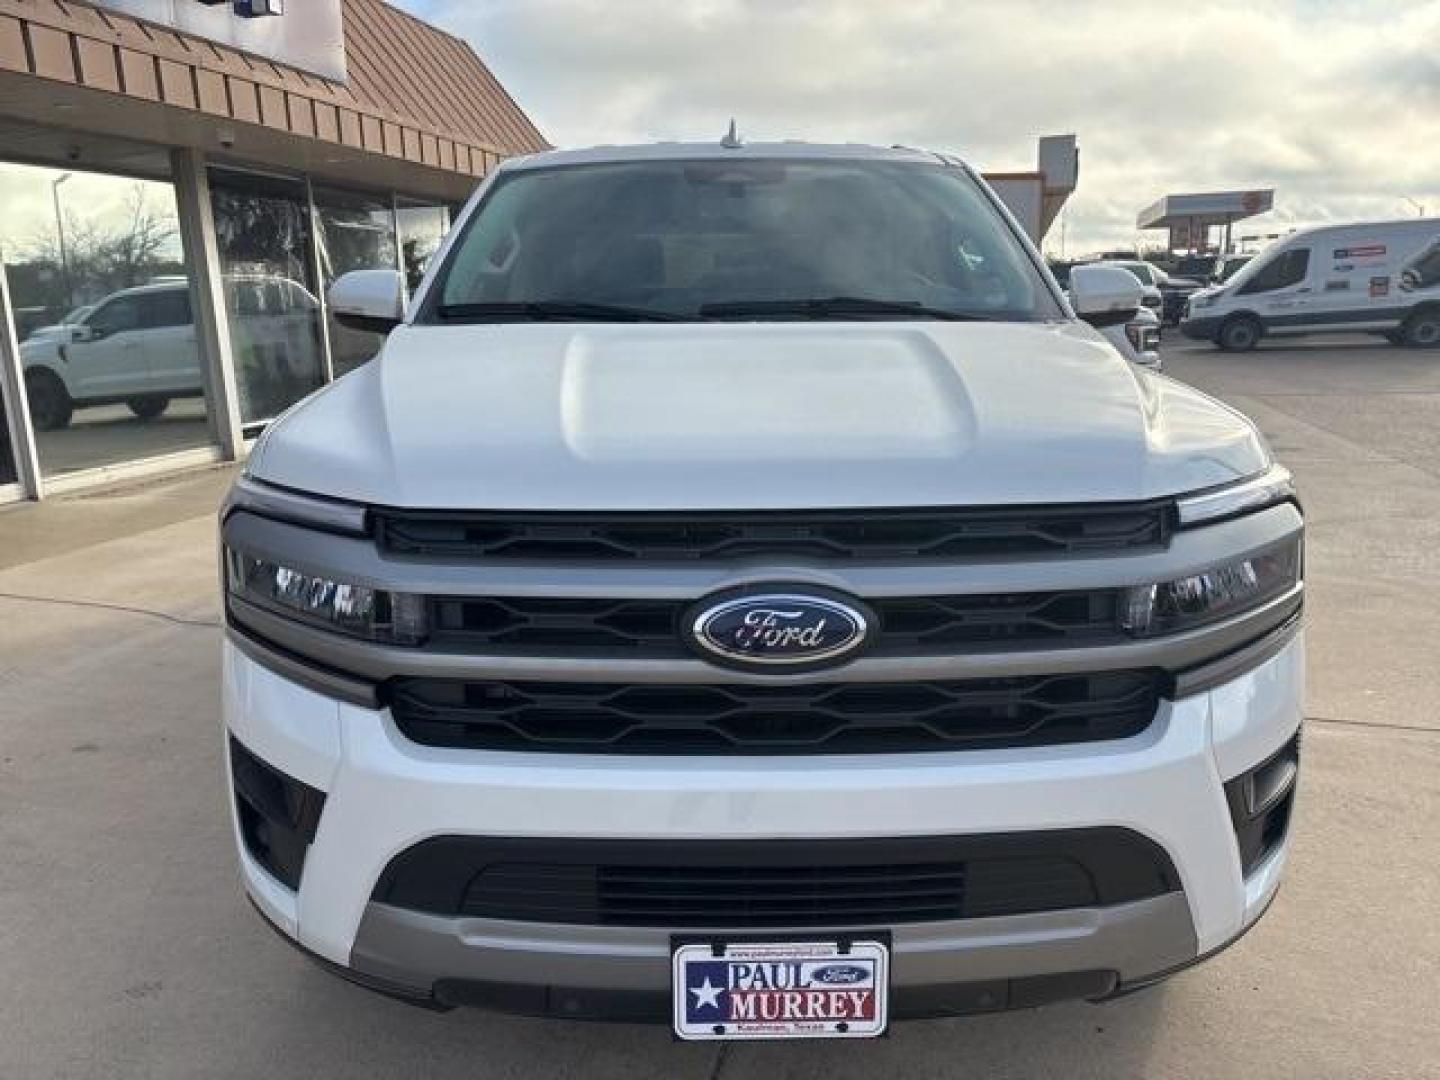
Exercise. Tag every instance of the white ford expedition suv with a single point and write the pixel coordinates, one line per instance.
(745, 595)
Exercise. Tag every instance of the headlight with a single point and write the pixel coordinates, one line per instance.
(333, 604)
(1143, 337)
(1227, 589)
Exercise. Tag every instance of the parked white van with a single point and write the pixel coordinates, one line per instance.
(1380, 277)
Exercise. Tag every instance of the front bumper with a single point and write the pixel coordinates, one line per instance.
(383, 794)
(1200, 328)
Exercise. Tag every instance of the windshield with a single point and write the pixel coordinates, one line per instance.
(744, 239)
(1232, 267)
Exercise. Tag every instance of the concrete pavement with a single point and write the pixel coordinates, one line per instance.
(128, 951)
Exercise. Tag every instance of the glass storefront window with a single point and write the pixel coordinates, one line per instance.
(354, 232)
(9, 471)
(103, 304)
(421, 230)
(262, 227)
(100, 290)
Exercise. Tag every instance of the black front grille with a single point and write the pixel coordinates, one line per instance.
(819, 534)
(775, 883)
(654, 629)
(739, 718)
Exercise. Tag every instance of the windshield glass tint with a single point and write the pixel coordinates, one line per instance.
(750, 239)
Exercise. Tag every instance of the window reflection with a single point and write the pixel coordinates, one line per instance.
(262, 227)
(356, 232)
(9, 472)
(421, 230)
(101, 295)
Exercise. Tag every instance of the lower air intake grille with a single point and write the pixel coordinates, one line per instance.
(278, 814)
(738, 718)
(775, 883)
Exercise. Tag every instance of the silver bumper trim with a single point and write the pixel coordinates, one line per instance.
(1135, 940)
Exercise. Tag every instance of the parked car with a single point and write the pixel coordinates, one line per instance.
(1138, 340)
(62, 328)
(1060, 269)
(1378, 277)
(1198, 268)
(1150, 294)
(743, 594)
(1174, 291)
(138, 346)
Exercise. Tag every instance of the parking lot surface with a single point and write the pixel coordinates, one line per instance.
(128, 950)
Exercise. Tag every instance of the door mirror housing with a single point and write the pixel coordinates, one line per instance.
(83, 333)
(372, 300)
(1104, 295)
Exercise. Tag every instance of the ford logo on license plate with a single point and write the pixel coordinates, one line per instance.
(763, 629)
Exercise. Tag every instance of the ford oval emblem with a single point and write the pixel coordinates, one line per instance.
(839, 974)
(766, 629)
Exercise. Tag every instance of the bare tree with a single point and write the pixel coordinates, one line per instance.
(132, 254)
(102, 256)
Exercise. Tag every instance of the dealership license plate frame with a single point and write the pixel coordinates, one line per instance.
(870, 951)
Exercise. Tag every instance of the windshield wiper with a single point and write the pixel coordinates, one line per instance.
(550, 311)
(837, 307)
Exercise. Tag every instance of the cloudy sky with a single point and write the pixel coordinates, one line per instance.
(1335, 103)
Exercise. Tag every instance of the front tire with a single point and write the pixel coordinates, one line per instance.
(1240, 333)
(50, 404)
(1422, 330)
(148, 408)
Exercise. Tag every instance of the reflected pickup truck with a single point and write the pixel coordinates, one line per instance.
(746, 594)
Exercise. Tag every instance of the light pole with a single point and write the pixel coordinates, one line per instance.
(1419, 207)
(60, 232)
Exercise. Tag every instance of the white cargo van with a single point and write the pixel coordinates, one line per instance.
(1380, 277)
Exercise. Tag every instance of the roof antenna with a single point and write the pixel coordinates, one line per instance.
(731, 141)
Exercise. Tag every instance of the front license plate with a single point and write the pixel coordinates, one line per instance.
(781, 990)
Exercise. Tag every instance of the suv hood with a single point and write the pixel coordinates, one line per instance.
(563, 416)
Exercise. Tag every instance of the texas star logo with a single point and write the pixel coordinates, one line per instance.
(783, 992)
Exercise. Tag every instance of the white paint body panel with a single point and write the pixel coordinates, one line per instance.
(754, 416)
(385, 794)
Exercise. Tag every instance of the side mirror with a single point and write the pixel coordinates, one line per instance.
(86, 333)
(372, 300)
(1104, 295)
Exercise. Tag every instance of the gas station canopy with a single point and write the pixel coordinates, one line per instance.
(1190, 217)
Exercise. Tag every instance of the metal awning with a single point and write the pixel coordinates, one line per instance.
(1190, 217)
(1205, 209)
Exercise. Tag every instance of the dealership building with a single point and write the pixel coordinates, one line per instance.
(180, 182)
